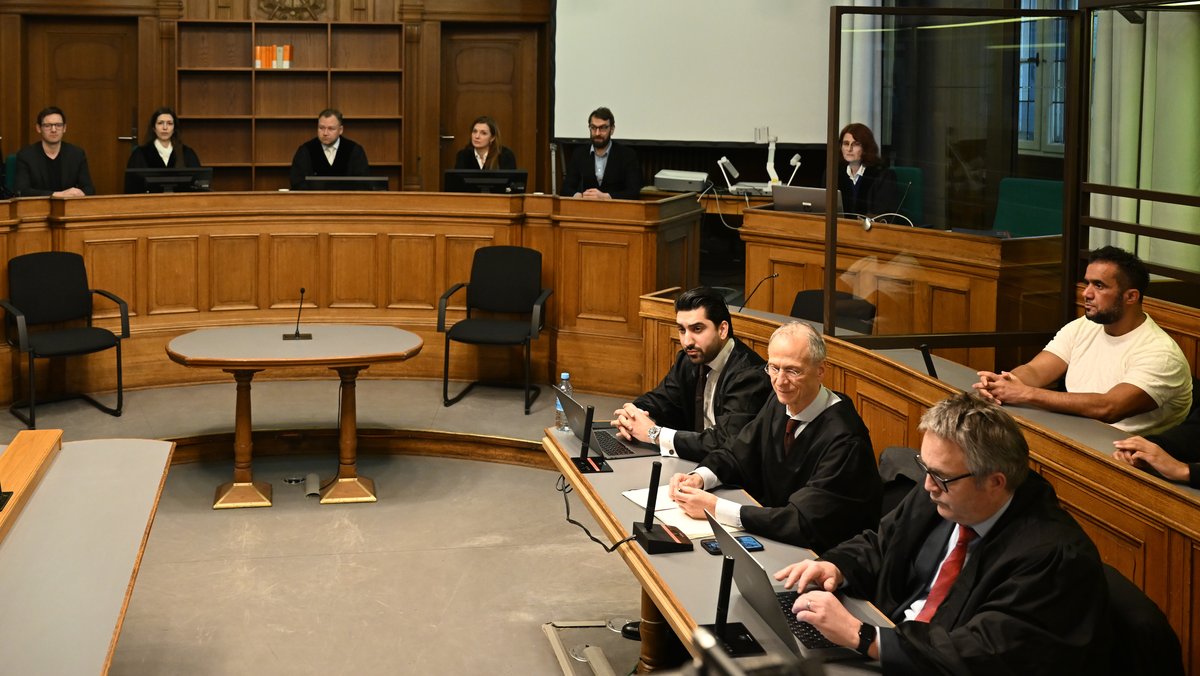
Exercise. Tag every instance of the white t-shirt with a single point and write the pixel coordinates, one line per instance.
(1146, 358)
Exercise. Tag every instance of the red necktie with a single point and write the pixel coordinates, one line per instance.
(948, 574)
(789, 435)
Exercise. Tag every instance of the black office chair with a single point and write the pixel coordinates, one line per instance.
(1142, 642)
(505, 280)
(51, 288)
(850, 311)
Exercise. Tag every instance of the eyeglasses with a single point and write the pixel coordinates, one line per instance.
(787, 373)
(941, 482)
(603, 127)
(53, 125)
(851, 144)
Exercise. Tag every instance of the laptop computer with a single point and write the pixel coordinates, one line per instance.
(774, 605)
(604, 441)
(802, 198)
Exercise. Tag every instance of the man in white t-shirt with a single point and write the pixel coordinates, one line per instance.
(1120, 367)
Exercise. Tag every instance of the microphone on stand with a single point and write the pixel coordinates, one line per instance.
(297, 335)
(795, 162)
(657, 538)
(760, 282)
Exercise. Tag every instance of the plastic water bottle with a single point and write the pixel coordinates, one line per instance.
(560, 418)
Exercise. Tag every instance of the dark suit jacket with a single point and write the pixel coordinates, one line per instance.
(1030, 600)
(875, 193)
(147, 156)
(622, 175)
(33, 171)
(465, 159)
(309, 160)
(741, 390)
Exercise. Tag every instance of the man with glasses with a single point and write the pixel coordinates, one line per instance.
(806, 457)
(329, 153)
(981, 571)
(607, 170)
(713, 390)
(52, 167)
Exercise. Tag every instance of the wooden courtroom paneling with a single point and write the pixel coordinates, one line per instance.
(233, 272)
(353, 270)
(412, 275)
(173, 264)
(921, 281)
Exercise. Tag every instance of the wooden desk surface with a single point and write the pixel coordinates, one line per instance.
(68, 565)
(684, 585)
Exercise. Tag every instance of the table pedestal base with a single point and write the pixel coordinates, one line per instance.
(243, 494)
(350, 489)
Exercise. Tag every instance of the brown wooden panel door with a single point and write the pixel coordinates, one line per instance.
(89, 69)
(490, 72)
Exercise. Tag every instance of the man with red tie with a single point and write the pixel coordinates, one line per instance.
(806, 457)
(980, 568)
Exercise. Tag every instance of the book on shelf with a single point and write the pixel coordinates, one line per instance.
(273, 56)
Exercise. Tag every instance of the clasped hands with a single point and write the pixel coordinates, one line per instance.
(633, 423)
(1001, 388)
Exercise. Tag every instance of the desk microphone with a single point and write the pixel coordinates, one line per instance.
(735, 637)
(297, 335)
(928, 360)
(657, 538)
(907, 187)
(760, 282)
(583, 463)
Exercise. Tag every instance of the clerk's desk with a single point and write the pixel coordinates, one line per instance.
(682, 586)
(71, 553)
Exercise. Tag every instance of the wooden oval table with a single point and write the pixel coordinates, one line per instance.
(245, 350)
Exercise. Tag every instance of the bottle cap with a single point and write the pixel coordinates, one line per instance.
(564, 375)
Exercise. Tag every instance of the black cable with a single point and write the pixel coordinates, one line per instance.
(563, 487)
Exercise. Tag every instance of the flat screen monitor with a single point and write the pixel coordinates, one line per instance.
(170, 179)
(802, 199)
(345, 182)
(502, 181)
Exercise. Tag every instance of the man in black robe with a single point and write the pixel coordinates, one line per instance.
(683, 417)
(806, 457)
(979, 568)
(329, 153)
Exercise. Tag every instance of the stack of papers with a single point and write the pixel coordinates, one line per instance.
(666, 511)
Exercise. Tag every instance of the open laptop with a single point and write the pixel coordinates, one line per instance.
(774, 605)
(802, 198)
(604, 441)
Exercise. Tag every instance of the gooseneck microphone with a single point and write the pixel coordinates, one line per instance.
(656, 538)
(760, 283)
(297, 335)
(735, 637)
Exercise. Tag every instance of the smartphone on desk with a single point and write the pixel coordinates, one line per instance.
(748, 541)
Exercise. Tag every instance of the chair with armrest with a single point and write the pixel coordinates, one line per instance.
(48, 298)
(505, 280)
(1142, 641)
(850, 311)
(1029, 207)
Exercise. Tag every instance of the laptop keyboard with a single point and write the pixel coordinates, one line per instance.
(812, 638)
(611, 446)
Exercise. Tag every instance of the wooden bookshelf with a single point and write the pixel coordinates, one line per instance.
(247, 122)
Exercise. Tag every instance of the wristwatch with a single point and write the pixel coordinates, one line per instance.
(653, 433)
(866, 636)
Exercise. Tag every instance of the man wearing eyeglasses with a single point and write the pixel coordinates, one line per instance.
(715, 387)
(981, 571)
(608, 170)
(806, 457)
(52, 167)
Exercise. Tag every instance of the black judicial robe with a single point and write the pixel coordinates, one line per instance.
(147, 155)
(309, 160)
(465, 159)
(741, 390)
(876, 192)
(826, 491)
(1030, 600)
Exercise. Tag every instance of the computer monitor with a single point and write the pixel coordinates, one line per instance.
(170, 179)
(503, 181)
(345, 182)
